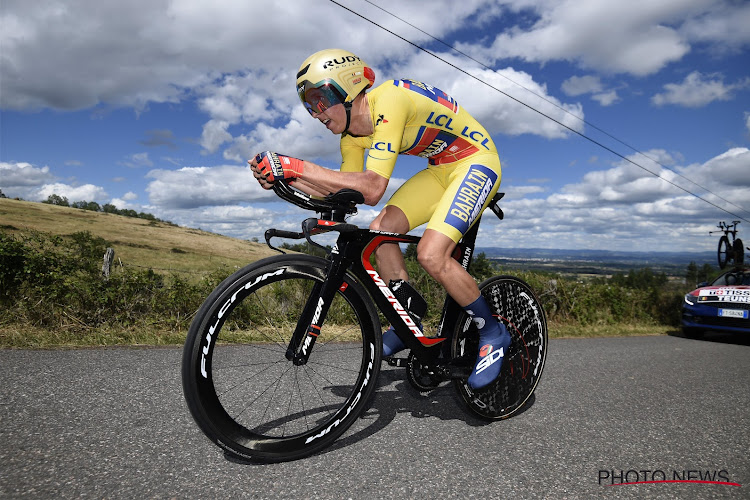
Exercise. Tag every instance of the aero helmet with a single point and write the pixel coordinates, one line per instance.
(331, 77)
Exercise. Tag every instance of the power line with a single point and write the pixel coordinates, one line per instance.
(584, 136)
(579, 118)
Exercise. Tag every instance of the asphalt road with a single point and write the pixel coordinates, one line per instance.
(112, 423)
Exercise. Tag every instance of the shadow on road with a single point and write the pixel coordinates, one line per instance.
(395, 395)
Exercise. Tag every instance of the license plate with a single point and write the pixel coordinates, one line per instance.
(733, 313)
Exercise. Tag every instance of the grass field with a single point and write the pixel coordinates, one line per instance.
(137, 242)
(167, 248)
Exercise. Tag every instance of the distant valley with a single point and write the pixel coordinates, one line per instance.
(596, 262)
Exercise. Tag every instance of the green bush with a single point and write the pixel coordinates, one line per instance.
(55, 282)
(51, 281)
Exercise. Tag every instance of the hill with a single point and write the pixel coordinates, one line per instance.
(137, 242)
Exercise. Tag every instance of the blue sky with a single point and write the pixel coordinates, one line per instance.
(156, 106)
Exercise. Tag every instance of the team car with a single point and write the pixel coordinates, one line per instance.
(723, 305)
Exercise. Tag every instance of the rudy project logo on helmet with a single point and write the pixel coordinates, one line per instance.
(341, 61)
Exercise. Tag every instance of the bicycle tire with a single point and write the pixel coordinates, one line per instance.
(241, 389)
(724, 252)
(514, 303)
(739, 252)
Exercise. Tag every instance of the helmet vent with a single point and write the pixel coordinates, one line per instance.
(303, 71)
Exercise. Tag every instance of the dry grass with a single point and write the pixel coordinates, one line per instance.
(29, 337)
(137, 242)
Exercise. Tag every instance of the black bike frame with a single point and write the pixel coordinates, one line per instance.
(351, 255)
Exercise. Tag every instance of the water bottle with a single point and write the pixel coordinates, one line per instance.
(412, 301)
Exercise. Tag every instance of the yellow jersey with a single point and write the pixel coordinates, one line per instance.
(414, 118)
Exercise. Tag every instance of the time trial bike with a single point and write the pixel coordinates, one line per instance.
(730, 253)
(284, 355)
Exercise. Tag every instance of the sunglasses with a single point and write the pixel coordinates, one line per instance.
(320, 96)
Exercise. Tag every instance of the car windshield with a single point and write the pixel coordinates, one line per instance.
(733, 278)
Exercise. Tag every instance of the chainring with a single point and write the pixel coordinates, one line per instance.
(420, 376)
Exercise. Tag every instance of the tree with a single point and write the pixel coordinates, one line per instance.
(55, 199)
(705, 272)
(109, 208)
(1, 194)
(691, 277)
(481, 267)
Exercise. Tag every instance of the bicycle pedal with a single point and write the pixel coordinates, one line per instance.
(397, 362)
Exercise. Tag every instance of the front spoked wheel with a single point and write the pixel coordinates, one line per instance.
(513, 302)
(724, 252)
(240, 385)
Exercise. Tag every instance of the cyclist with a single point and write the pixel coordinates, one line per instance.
(412, 118)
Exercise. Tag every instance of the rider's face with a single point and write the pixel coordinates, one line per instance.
(334, 118)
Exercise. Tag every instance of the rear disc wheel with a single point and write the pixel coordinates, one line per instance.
(513, 303)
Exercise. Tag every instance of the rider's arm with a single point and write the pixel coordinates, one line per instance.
(321, 180)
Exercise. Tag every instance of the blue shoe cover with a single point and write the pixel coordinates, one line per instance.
(391, 343)
(493, 346)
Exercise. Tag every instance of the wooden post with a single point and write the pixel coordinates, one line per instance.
(109, 257)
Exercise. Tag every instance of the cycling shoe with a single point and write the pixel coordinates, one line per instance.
(493, 346)
(391, 343)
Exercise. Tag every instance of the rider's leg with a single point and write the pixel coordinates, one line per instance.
(471, 186)
(391, 265)
(434, 253)
(388, 257)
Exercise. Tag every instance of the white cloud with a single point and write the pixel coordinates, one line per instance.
(214, 135)
(606, 98)
(697, 90)
(20, 175)
(578, 85)
(75, 55)
(639, 37)
(193, 187)
(137, 160)
(28, 182)
(590, 84)
(724, 26)
(86, 192)
(612, 209)
(630, 37)
(125, 204)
